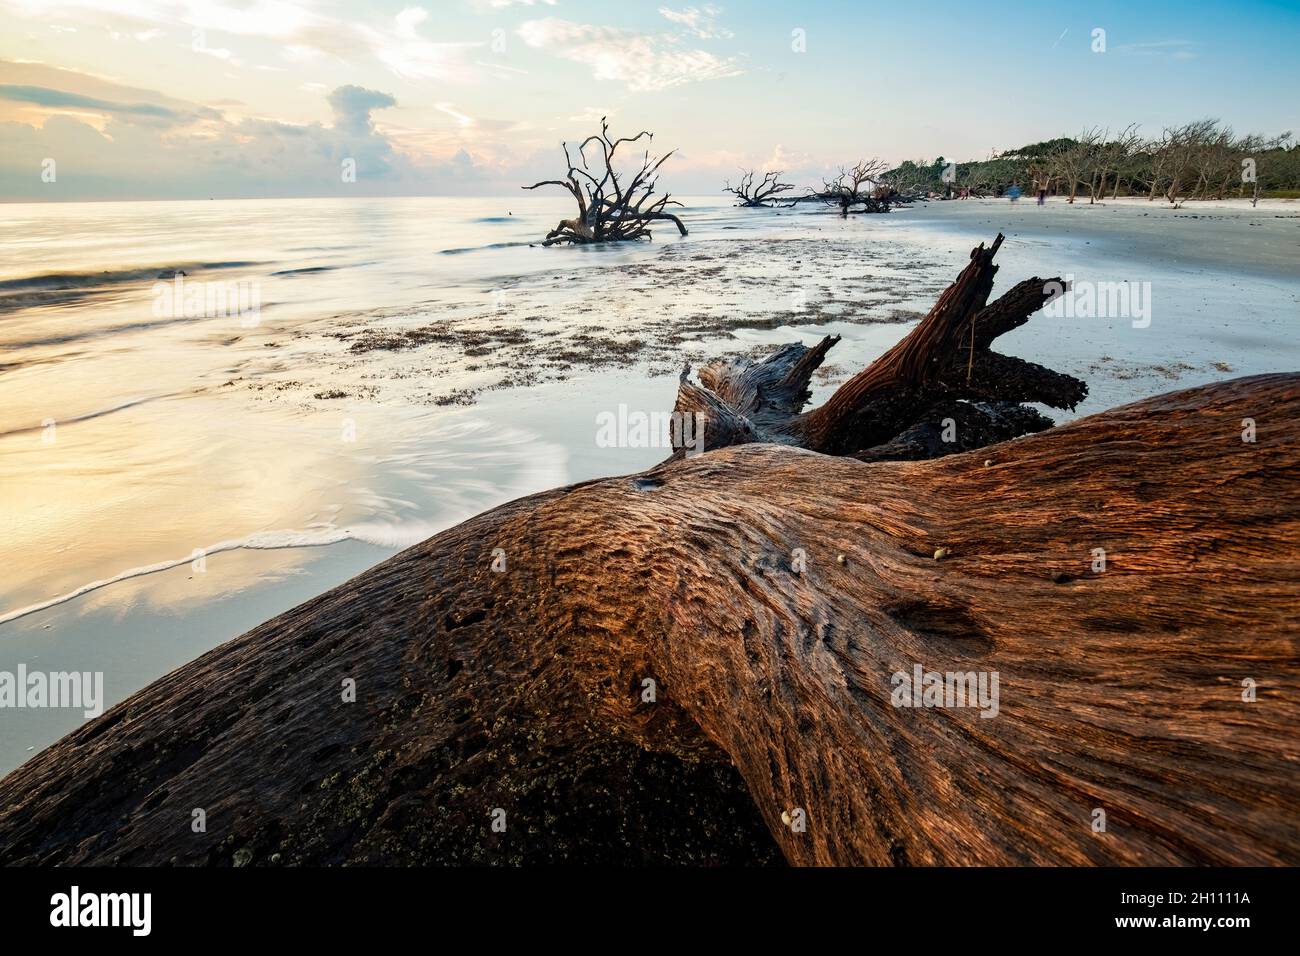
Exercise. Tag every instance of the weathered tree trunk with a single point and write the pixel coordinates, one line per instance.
(610, 210)
(653, 642)
(943, 369)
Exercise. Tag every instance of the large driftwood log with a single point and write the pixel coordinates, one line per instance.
(523, 689)
(672, 665)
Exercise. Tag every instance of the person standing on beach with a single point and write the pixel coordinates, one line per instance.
(1042, 193)
(1014, 193)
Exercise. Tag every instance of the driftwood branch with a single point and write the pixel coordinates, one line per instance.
(944, 360)
(763, 193)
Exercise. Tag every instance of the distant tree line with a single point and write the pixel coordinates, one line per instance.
(617, 201)
(1203, 159)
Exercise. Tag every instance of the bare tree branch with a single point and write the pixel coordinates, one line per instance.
(608, 210)
(762, 194)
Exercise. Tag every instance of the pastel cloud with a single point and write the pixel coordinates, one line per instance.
(698, 21)
(643, 61)
(352, 106)
(146, 144)
(44, 96)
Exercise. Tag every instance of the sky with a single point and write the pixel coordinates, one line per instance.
(166, 99)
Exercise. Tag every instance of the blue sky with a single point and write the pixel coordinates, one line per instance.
(174, 98)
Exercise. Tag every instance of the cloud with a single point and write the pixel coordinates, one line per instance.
(698, 21)
(64, 83)
(300, 30)
(271, 19)
(461, 119)
(783, 159)
(352, 106)
(592, 114)
(44, 96)
(183, 150)
(500, 70)
(643, 61)
(43, 91)
(409, 55)
(221, 53)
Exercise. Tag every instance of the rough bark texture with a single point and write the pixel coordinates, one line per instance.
(770, 593)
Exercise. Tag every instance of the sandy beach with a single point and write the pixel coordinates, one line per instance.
(418, 362)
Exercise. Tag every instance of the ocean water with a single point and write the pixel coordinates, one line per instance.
(149, 510)
(122, 448)
(173, 475)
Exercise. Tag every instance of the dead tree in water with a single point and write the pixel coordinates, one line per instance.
(701, 662)
(764, 194)
(610, 210)
(857, 186)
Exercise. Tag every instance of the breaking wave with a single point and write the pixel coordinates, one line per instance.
(394, 537)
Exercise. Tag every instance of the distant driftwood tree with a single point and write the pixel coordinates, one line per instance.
(764, 193)
(699, 663)
(859, 186)
(611, 206)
